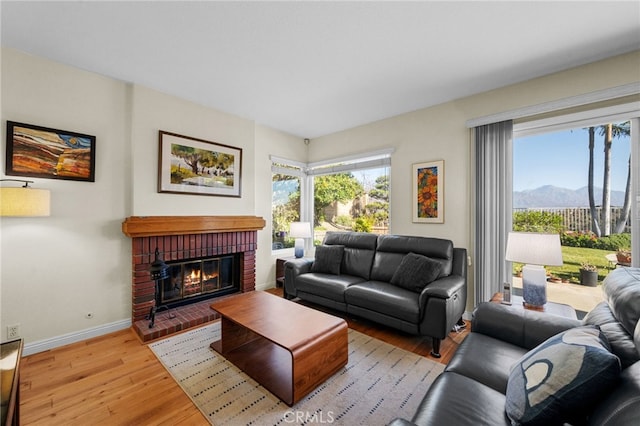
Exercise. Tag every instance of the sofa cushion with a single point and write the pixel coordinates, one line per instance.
(622, 405)
(386, 299)
(391, 250)
(328, 259)
(561, 378)
(359, 249)
(454, 399)
(621, 342)
(415, 272)
(521, 327)
(326, 285)
(470, 360)
(622, 292)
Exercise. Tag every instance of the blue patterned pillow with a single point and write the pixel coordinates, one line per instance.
(559, 380)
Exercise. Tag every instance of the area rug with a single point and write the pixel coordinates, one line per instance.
(379, 383)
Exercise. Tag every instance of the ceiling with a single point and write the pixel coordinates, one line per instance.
(314, 68)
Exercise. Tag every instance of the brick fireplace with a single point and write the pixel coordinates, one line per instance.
(180, 238)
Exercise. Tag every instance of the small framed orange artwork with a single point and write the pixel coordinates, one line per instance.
(428, 192)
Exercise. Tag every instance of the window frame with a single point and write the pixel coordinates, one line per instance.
(295, 169)
(307, 171)
(598, 116)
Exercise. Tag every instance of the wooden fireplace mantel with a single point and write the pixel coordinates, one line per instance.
(147, 226)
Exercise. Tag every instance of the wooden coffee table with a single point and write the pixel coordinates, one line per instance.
(287, 348)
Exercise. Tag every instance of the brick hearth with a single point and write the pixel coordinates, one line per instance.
(166, 234)
(184, 317)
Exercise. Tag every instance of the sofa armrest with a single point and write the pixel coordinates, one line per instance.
(518, 326)
(442, 304)
(444, 287)
(459, 266)
(293, 268)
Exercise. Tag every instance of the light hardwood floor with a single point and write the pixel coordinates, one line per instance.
(116, 380)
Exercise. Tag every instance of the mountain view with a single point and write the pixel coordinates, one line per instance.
(553, 196)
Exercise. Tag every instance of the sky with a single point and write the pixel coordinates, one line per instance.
(562, 159)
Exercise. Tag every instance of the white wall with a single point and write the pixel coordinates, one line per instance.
(153, 111)
(56, 269)
(439, 133)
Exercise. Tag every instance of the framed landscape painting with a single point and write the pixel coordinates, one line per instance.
(37, 151)
(194, 166)
(428, 192)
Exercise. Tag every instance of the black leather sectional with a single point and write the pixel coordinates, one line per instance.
(473, 389)
(363, 284)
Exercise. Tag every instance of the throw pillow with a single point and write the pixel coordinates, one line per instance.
(563, 377)
(415, 272)
(328, 259)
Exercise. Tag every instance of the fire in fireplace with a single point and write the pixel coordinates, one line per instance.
(194, 280)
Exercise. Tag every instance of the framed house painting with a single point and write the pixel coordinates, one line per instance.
(428, 192)
(194, 166)
(37, 151)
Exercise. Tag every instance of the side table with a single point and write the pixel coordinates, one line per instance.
(559, 309)
(280, 270)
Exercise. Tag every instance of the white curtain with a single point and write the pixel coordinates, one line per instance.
(493, 146)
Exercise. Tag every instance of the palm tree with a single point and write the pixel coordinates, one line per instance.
(605, 214)
(595, 225)
(603, 226)
(626, 208)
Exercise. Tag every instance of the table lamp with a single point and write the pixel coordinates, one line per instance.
(300, 231)
(534, 250)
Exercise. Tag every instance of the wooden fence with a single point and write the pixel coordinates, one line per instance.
(579, 218)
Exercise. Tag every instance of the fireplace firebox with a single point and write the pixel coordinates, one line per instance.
(198, 279)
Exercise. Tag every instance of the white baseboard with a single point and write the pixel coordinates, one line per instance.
(264, 286)
(65, 339)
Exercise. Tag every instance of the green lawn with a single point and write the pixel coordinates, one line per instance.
(573, 258)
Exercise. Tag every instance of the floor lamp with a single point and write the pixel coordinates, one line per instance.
(24, 201)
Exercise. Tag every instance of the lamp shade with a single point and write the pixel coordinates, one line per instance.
(300, 230)
(534, 248)
(24, 201)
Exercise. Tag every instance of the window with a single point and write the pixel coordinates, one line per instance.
(285, 203)
(574, 178)
(493, 162)
(351, 201)
(349, 194)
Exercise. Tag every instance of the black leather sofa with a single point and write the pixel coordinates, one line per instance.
(362, 283)
(472, 390)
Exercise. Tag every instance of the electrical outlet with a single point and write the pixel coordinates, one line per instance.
(13, 331)
(89, 315)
